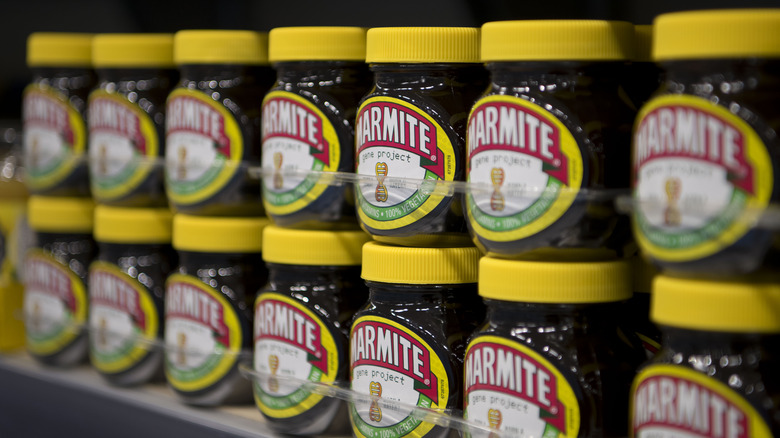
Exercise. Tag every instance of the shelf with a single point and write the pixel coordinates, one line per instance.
(39, 401)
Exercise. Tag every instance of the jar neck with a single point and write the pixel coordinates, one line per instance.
(417, 295)
(208, 260)
(143, 78)
(721, 75)
(426, 76)
(310, 275)
(557, 75)
(698, 342)
(308, 74)
(64, 78)
(585, 316)
(226, 75)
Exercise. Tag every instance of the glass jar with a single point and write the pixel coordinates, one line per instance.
(208, 307)
(309, 124)
(127, 118)
(213, 125)
(411, 128)
(56, 279)
(54, 109)
(407, 342)
(314, 283)
(126, 292)
(716, 372)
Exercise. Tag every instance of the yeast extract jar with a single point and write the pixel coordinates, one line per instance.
(549, 141)
(212, 123)
(407, 342)
(127, 118)
(716, 372)
(54, 109)
(56, 278)
(411, 133)
(208, 307)
(705, 146)
(302, 321)
(127, 292)
(548, 361)
(309, 124)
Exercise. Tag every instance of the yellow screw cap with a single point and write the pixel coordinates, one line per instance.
(405, 265)
(133, 225)
(554, 282)
(422, 44)
(557, 40)
(643, 43)
(719, 306)
(313, 247)
(728, 33)
(48, 49)
(218, 234)
(61, 215)
(220, 47)
(132, 50)
(317, 44)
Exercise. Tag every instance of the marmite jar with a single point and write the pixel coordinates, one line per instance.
(208, 307)
(126, 292)
(407, 342)
(314, 283)
(716, 372)
(549, 141)
(411, 133)
(212, 122)
(55, 279)
(309, 124)
(127, 118)
(54, 113)
(548, 360)
(705, 146)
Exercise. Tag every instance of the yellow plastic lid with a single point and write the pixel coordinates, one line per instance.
(643, 42)
(61, 215)
(132, 50)
(642, 274)
(220, 47)
(313, 248)
(133, 225)
(716, 305)
(557, 40)
(406, 265)
(51, 49)
(317, 43)
(218, 234)
(554, 282)
(422, 44)
(727, 33)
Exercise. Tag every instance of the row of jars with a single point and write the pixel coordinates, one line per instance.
(525, 347)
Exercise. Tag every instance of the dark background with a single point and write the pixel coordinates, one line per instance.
(19, 18)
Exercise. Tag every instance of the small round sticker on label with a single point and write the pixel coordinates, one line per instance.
(513, 389)
(531, 161)
(399, 371)
(55, 304)
(297, 138)
(292, 345)
(671, 401)
(54, 136)
(202, 334)
(123, 145)
(204, 146)
(396, 139)
(123, 319)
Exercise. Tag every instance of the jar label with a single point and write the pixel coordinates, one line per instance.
(671, 401)
(701, 176)
(55, 136)
(292, 345)
(391, 362)
(515, 390)
(297, 138)
(202, 334)
(55, 304)
(123, 145)
(399, 140)
(204, 146)
(531, 162)
(123, 319)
